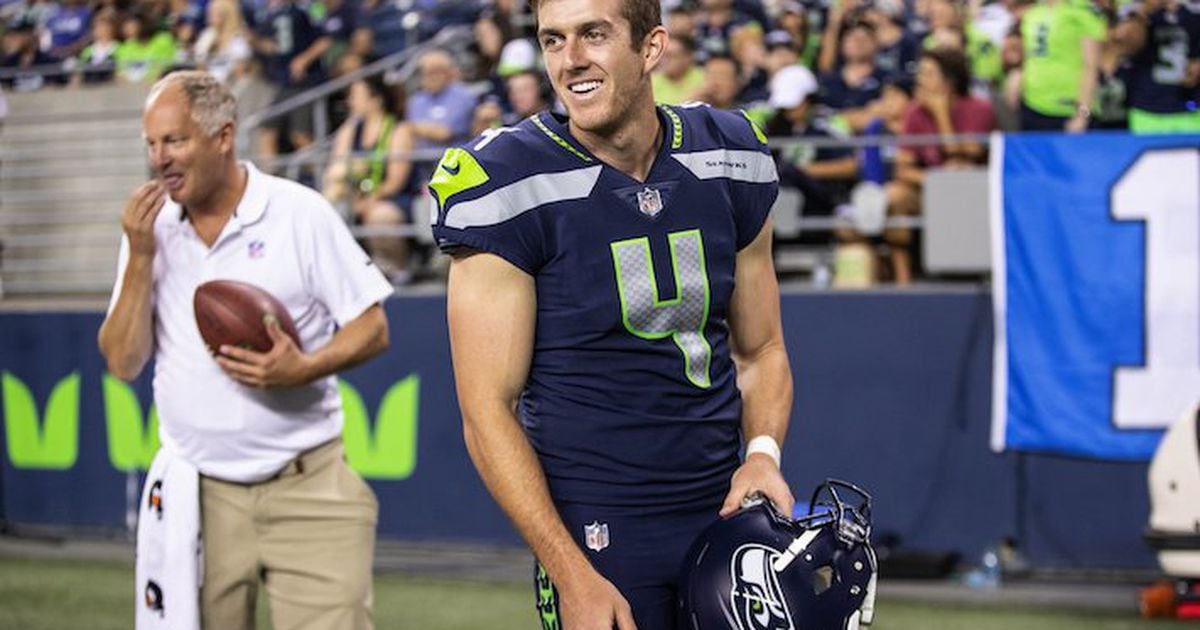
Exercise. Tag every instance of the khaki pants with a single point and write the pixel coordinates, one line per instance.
(308, 533)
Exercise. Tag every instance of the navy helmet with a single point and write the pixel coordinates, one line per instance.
(759, 570)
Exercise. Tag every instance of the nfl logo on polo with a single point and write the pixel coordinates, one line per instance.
(649, 202)
(257, 248)
(596, 536)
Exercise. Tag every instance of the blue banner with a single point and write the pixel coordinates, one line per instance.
(1096, 257)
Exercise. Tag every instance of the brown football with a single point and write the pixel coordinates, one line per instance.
(231, 313)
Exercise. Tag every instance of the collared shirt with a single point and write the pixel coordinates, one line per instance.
(453, 107)
(288, 240)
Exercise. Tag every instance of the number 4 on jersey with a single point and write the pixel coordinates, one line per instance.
(681, 318)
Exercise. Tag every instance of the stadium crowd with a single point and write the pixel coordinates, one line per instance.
(815, 69)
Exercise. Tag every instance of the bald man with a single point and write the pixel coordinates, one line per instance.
(441, 111)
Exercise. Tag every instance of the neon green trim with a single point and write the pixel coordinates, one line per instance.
(458, 171)
(644, 243)
(676, 126)
(1142, 121)
(132, 443)
(547, 601)
(558, 140)
(392, 452)
(52, 444)
(758, 133)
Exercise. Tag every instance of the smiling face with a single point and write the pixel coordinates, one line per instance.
(187, 161)
(598, 72)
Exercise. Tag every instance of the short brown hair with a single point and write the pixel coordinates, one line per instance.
(642, 15)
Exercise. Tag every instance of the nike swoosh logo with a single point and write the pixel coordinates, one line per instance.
(452, 171)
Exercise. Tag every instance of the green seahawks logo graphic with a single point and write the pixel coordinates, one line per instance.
(756, 598)
(682, 318)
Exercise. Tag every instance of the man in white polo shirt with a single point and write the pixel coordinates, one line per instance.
(278, 504)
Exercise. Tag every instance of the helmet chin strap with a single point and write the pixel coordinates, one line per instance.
(796, 548)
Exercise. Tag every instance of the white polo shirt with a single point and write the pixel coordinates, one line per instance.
(287, 239)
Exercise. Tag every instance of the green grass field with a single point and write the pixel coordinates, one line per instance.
(61, 595)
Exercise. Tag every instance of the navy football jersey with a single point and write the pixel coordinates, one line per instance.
(1159, 69)
(631, 397)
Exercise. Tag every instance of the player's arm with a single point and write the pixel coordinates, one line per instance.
(126, 337)
(285, 364)
(764, 374)
(492, 310)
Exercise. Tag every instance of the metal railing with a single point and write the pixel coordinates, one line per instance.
(318, 97)
(23, 249)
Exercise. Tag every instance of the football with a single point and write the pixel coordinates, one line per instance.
(233, 313)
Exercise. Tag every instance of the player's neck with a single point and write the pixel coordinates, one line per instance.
(632, 147)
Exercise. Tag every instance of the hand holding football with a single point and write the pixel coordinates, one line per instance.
(232, 313)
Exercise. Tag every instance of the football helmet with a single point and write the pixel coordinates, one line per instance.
(759, 570)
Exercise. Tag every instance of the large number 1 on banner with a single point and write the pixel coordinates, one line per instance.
(1163, 190)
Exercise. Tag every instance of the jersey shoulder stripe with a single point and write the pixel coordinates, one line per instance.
(521, 196)
(505, 172)
(723, 144)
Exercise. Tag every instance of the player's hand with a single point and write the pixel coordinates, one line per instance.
(758, 474)
(137, 219)
(282, 366)
(593, 603)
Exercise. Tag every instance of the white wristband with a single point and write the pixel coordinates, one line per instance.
(766, 445)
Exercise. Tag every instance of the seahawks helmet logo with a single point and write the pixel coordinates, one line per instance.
(756, 598)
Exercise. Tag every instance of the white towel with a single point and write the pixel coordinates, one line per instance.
(169, 568)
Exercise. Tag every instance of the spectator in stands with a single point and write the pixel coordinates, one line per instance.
(678, 79)
(28, 67)
(722, 82)
(385, 21)
(292, 48)
(223, 47)
(1061, 40)
(488, 44)
(378, 189)
(951, 28)
(747, 47)
(856, 82)
(793, 19)
(943, 105)
(781, 51)
(1162, 39)
(97, 62)
(338, 22)
(716, 22)
(526, 95)
(878, 161)
(681, 22)
(794, 91)
(67, 29)
(897, 50)
(146, 52)
(442, 110)
(185, 18)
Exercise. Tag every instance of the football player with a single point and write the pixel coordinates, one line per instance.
(614, 319)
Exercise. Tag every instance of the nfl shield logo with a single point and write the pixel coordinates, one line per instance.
(649, 202)
(596, 536)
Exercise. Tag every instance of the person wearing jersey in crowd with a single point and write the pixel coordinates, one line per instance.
(1162, 39)
(378, 188)
(67, 29)
(1061, 41)
(291, 47)
(614, 319)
